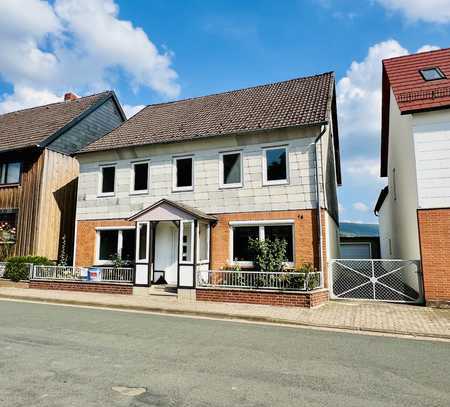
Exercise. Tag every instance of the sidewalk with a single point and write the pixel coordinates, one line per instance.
(398, 319)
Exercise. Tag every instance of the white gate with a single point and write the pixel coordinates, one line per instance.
(377, 280)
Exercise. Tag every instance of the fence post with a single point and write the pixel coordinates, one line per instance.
(31, 272)
(373, 280)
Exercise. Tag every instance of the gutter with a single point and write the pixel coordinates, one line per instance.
(319, 219)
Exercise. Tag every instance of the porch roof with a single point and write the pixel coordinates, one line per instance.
(174, 208)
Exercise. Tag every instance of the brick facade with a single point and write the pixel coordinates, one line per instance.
(86, 237)
(434, 236)
(282, 299)
(104, 288)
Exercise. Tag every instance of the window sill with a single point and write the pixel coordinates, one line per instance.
(143, 192)
(17, 184)
(231, 186)
(277, 182)
(106, 195)
(183, 189)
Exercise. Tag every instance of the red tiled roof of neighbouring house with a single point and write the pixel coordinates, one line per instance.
(411, 91)
(32, 127)
(297, 102)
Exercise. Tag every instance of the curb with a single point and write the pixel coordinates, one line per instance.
(228, 317)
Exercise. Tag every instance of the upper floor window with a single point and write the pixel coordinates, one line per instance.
(107, 184)
(231, 169)
(183, 174)
(10, 173)
(140, 177)
(275, 166)
(432, 74)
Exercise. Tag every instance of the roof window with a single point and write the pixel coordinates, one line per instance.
(432, 74)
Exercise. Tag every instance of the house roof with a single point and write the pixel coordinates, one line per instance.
(35, 126)
(296, 102)
(412, 92)
(196, 213)
(349, 229)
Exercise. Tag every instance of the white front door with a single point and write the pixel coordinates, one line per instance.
(166, 251)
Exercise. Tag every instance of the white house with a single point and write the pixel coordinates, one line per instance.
(414, 210)
(182, 186)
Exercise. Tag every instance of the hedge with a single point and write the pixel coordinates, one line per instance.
(17, 267)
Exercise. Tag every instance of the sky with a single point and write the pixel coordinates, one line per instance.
(152, 51)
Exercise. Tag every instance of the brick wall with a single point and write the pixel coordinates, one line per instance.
(305, 239)
(103, 288)
(281, 299)
(85, 239)
(434, 236)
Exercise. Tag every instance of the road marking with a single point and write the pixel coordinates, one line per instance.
(242, 321)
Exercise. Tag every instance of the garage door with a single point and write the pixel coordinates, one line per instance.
(355, 251)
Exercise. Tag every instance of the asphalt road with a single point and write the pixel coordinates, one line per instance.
(65, 356)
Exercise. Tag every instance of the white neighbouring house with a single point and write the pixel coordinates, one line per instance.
(414, 209)
(182, 186)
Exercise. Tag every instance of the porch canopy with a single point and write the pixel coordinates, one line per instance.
(172, 243)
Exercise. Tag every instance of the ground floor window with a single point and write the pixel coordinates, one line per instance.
(242, 234)
(115, 243)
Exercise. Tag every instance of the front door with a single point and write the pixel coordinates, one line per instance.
(166, 251)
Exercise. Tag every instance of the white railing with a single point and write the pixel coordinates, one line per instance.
(95, 274)
(289, 281)
(2, 269)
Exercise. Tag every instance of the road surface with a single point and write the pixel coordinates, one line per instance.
(53, 355)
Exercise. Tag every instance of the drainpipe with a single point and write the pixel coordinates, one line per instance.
(319, 220)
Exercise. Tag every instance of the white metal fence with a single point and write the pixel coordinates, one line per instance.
(378, 280)
(105, 274)
(260, 280)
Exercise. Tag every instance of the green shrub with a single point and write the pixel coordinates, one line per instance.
(17, 267)
(269, 255)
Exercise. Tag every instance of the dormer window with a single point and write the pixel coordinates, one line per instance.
(432, 74)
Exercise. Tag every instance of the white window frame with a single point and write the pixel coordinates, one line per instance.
(147, 243)
(100, 180)
(175, 188)
(133, 175)
(182, 223)
(98, 231)
(208, 237)
(261, 224)
(222, 170)
(267, 182)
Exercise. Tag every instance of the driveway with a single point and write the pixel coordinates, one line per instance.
(53, 355)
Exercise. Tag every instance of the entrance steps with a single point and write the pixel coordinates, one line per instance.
(156, 290)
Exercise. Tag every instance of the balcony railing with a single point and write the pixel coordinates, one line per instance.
(96, 274)
(285, 281)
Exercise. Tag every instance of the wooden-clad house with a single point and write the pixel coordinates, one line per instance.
(38, 175)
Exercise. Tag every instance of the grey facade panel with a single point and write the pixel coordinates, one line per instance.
(330, 185)
(95, 125)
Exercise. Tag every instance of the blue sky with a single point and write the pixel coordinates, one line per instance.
(153, 51)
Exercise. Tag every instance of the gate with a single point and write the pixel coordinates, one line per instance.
(377, 280)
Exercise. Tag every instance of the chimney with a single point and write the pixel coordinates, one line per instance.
(69, 96)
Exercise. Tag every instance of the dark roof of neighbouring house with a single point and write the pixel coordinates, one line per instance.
(381, 198)
(412, 92)
(349, 229)
(36, 126)
(296, 102)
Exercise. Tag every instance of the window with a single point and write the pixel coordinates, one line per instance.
(265, 230)
(231, 170)
(10, 173)
(203, 242)
(187, 236)
(432, 74)
(241, 236)
(115, 242)
(183, 179)
(8, 225)
(275, 166)
(281, 232)
(143, 241)
(140, 177)
(107, 180)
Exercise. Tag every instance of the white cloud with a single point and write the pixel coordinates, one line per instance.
(433, 11)
(360, 207)
(363, 167)
(24, 97)
(426, 48)
(132, 110)
(359, 92)
(78, 44)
